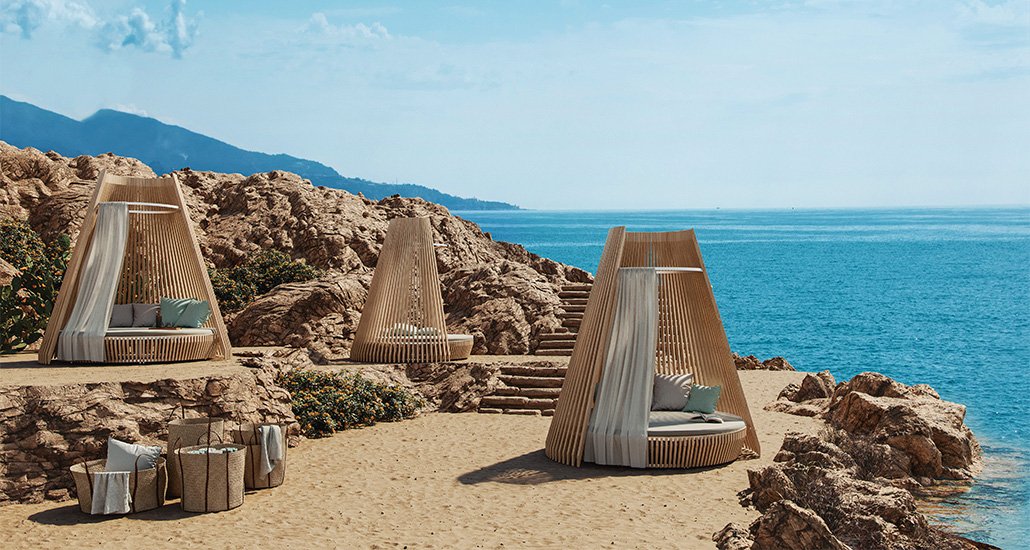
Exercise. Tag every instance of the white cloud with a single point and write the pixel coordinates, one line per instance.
(130, 108)
(1010, 13)
(25, 16)
(173, 35)
(349, 35)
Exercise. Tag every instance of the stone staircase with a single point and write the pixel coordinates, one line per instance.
(528, 388)
(573, 304)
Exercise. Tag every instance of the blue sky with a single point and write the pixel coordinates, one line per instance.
(570, 104)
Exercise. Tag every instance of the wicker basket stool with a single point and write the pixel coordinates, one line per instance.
(247, 435)
(147, 487)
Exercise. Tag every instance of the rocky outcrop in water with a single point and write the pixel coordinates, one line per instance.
(498, 292)
(750, 362)
(850, 486)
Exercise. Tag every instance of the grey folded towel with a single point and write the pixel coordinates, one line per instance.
(111, 493)
(271, 448)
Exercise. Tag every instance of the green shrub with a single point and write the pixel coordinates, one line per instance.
(26, 303)
(236, 287)
(327, 402)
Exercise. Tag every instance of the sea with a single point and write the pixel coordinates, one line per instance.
(936, 296)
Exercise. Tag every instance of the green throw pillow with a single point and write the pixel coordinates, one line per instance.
(196, 314)
(184, 312)
(703, 399)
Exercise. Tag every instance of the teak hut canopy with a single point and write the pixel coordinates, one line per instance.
(688, 338)
(403, 319)
(161, 260)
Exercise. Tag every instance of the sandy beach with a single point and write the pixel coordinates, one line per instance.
(441, 481)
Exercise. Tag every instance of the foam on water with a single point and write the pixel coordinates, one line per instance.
(935, 296)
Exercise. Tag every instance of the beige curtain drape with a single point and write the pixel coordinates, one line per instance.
(83, 336)
(617, 433)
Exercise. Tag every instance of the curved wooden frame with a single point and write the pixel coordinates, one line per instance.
(405, 290)
(691, 339)
(162, 259)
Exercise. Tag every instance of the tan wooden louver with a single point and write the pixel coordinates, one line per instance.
(691, 339)
(403, 319)
(162, 259)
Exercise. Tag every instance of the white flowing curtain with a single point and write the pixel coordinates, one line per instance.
(617, 433)
(83, 336)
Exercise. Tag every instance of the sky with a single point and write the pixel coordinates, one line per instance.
(570, 105)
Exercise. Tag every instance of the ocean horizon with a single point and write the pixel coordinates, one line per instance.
(934, 295)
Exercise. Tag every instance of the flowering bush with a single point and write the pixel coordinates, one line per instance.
(327, 402)
(235, 287)
(26, 303)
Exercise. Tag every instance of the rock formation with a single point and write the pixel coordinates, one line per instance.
(849, 486)
(916, 435)
(498, 292)
(750, 362)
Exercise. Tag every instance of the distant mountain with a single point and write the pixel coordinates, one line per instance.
(166, 148)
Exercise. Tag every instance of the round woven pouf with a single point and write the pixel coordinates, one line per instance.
(247, 435)
(189, 431)
(211, 482)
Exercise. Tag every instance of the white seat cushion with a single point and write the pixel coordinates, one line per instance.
(678, 423)
(459, 337)
(143, 331)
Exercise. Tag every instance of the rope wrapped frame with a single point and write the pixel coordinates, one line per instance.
(162, 259)
(691, 339)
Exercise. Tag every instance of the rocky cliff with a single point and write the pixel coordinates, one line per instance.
(852, 485)
(498, 292)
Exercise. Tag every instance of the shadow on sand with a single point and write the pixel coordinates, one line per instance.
(535, 469)
(71, 515)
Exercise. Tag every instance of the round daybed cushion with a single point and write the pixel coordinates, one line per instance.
(119, 332)
(678, 423)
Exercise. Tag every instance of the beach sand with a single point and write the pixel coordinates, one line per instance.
(442, 481)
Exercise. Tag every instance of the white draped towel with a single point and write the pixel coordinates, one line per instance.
(111, 493)
(617, 433)
(83, 336)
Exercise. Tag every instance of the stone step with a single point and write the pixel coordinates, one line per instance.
(558, 336)
(490, 411)
(574, 294)
(577, 287)
(571, 315)
(532, 381)
(547, 412)
(574, 302)
(573, 309)
(549, 393)
(524, 412)
(557, 344)
(572, 324)
(564, 352)
(527, 370)
(508, 402)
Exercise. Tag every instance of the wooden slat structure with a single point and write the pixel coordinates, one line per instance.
(405, 294)
(691, 339)
(162, 259)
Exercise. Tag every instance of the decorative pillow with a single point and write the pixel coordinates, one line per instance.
(671, 391)
(144, 315)
(121, 315)
(703, 399)
(121, 456)
(172, 309)
(195, 314)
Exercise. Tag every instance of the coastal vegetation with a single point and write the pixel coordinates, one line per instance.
(236, 287)
(26, 303)
(328, 402)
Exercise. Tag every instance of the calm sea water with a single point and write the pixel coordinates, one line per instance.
(936, 296)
